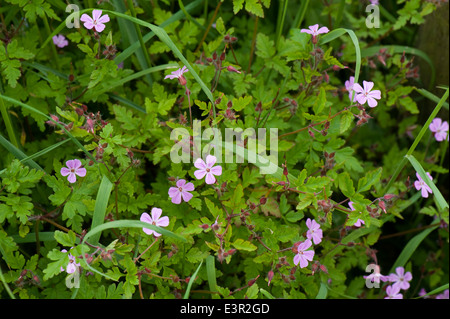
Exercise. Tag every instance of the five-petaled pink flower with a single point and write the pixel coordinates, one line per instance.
(359, 222)
(73, 168)
(97, 21)
(178, 74)
(440, 129)
(155, 219)
(314, 30)
(72, 266)
(60, 41)
(207, 169)
(314, 232)
(422, 186)
(400, 278)
(393, 292)
(181, 191)
(366, 94)
(303, 255)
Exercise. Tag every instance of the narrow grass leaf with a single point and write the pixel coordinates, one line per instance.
(188, 289)
(101, 204)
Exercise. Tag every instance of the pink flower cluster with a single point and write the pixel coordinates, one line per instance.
(400, 281)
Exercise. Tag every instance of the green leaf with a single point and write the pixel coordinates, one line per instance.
(346, 184)
(366, 182)
(65, 239)
(241, 244)
(346, 121)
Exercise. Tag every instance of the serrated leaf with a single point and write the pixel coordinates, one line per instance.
(65, 239)
(346, 184)
(366, 182)
(241, 244)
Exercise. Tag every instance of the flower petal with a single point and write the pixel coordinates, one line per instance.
(210, 161)
(181, 182)
(176, 199)
(186, 196)
(173, 191)
(103, 19)
(199, 174)
(199, 163)
(210, 179)
(81, 172)
(99, 27)
(72, 178)
(216, 170)
(86, 18)
(96, 14)
(65, 171)
(156, 214)
(189, 187)
(163, 222)
(368, 86)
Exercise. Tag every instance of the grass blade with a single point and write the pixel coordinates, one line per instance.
(410, 248)
(188, 288)
(323, 291)
(101, 204)
(211, 273)
(18, 153)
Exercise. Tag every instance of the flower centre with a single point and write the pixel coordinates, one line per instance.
(72, 170)
(180, 189)
(207, 170)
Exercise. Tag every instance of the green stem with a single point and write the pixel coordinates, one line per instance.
(8, 124)
(280, 21)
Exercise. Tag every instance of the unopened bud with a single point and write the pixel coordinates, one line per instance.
(270, 277)
(233, 69)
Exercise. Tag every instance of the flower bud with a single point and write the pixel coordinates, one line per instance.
(270, 277)
(233, 69)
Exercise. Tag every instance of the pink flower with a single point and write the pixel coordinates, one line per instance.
(97, 21)
(440, 129)
(181, 191)
(422, 186)
(349, 87)
(72, 266)
(314, 232)
(400, 278)
(178, 74)
(366, 95)
(155, 219)
(359, 222)
(376, 276)
(207, 169)
(393, 292)
(314, 30)
(443, 295)
(60, 41)
(303, 255)
(73, 168)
